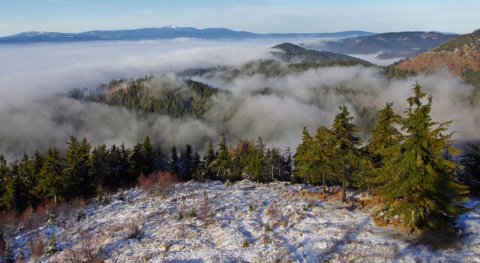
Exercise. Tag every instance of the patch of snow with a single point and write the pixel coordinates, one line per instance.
(245, 222)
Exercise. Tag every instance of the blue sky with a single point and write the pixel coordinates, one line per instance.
(259, 16)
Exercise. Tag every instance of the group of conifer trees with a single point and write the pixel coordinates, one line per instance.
(145, 96)
(407, 161)
(86, 171)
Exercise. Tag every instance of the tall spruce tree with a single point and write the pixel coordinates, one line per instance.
(224, 163)
(52, 181)
(303, 158)
(208, 162)
(384, 136)
(174, 163)
(148, 156)
(419, 183)
(7, 189)
(99, 168)
(76, 168)
(186, 160)
(345, 143)
(323, 154)
(471, 172)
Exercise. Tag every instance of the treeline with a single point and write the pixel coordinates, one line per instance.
(191, 100)
(410, 167)
(407, 161)
(86, 171)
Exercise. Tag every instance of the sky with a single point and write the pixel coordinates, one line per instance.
(258, 16)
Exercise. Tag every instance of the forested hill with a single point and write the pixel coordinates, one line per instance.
(389, 45)
(461, 55)
(188, 98)
(293, 53)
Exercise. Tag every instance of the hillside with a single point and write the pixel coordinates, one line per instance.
(461, 55)
(244, 222)
(389, 45)
(295, 54)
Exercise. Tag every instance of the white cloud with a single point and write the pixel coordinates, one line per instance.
(31, 118)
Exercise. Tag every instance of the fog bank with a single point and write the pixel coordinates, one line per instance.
(33, 117)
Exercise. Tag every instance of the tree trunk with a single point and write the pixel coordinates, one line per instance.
(324, 184)
(344, 196)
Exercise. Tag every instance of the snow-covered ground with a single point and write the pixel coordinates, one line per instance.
(243, 222)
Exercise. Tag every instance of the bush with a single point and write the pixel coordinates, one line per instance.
(159, 184)
(133, 230)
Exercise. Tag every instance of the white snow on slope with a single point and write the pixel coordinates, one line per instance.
(249, 222)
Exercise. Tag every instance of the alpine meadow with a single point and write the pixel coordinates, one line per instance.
(178, 144)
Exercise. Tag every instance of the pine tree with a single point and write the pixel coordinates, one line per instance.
(303, 158)
(197, 167)
(186, 159)
(7, 187)
(76, 168)
(419, 183)
(31, 171)
(209, 161)
(99, 168)
(224, 163)
(136, 160)
(287, 164)
(148, 156)
(345, 145)
(174, 164)
(52, 180)
(384, 137)
(323, 155)
(471, 173)
(260, 162)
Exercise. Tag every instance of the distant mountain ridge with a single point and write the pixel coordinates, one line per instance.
(296, 54)
(169, 32)
(389, 45)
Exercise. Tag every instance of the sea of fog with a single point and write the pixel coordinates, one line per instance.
(33, 118)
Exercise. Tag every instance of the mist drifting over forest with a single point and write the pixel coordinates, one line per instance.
(35, 114)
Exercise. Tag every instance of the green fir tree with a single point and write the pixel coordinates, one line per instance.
(419, 183)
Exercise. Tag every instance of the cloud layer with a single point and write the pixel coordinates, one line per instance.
(33, 117)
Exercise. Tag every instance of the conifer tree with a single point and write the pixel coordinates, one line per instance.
(345, 144)
(52, 180)
(197, 167)
(208, 162)
(384, 137)
(287, 164)
(148, 156)
(76, 168)
(323, 155)
(99, 168)
(303, 158)
(259, 161)
(224, 163)
(136, 160)
(186, 159)
(419, 183)
(471, 173)
(174, 164)
(7, 189)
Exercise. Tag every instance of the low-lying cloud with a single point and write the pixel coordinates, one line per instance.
(33, 117)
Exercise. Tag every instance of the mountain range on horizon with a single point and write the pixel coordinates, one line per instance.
(168, 32)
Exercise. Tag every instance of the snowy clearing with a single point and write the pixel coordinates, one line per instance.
(241, 222)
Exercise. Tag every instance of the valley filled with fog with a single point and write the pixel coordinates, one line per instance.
(35, 113)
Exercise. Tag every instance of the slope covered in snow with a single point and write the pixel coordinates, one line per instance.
(240, 222)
